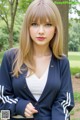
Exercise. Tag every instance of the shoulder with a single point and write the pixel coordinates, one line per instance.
(64, 63)
(10, 54)
(64, 59)
(11, 51)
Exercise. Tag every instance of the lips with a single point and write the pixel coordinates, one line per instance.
(40, 38)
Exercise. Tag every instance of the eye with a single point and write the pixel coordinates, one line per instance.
(49, 24)
(34, 24)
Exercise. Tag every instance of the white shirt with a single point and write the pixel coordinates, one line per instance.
(36, 85)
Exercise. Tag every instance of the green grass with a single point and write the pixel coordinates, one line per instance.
(72, 112)
(74, 64)
(77, 96)
(76, 119)
(75, 70)
(74, 59)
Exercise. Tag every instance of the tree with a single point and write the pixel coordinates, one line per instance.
(74, 8)
(3, 36)
(8, 13)
(63, 6)
(23, 5)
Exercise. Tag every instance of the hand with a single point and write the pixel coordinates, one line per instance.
(30, 110)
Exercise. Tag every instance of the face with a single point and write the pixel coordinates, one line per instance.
(41, 34)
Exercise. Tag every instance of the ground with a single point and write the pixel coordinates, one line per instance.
(75, 115)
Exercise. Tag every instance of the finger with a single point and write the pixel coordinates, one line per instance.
(31, 108)
(31, 105)
(26, 114)
(28, 111)
(34, 111)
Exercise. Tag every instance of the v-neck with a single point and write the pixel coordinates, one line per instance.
(49, 74)
(39, 78)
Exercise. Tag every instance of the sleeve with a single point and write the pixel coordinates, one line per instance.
(8, 101)
(64, 101)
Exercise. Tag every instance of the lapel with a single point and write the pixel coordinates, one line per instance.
(28, 92)
(50, 78)
(47, 87)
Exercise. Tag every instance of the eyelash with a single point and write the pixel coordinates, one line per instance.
(48, 24)
(35, 24)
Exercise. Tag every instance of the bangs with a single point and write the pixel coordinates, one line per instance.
(43, 14)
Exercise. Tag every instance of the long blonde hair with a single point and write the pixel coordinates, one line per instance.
(38, 9)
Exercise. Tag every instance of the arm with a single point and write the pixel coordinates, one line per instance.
(64, 101)
(8, 101)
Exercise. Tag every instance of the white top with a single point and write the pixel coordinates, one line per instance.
(36, 85)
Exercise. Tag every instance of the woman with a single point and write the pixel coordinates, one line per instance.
(35, 79)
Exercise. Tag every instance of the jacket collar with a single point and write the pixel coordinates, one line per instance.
(47, 87)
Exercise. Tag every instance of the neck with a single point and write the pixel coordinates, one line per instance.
(40, 51)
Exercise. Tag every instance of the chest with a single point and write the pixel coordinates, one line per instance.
(52, 86)
(41, 64)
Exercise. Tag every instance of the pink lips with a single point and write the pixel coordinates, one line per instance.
(41, 38)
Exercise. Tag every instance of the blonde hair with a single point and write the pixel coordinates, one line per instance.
(38, 9)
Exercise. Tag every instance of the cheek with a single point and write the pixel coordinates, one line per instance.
(32, 32)
(51, 33)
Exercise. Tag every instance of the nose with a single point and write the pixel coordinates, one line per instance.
(41, 29)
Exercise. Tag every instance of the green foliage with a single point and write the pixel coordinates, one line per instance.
(74, 9)
(1, 55)
(23, 4)
(16, 32)
(17, 28)
(3, 36)
(4, 7)
(74, 36)
(7, 14)
(4, 10)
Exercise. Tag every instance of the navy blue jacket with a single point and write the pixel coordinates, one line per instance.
(56, 100)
